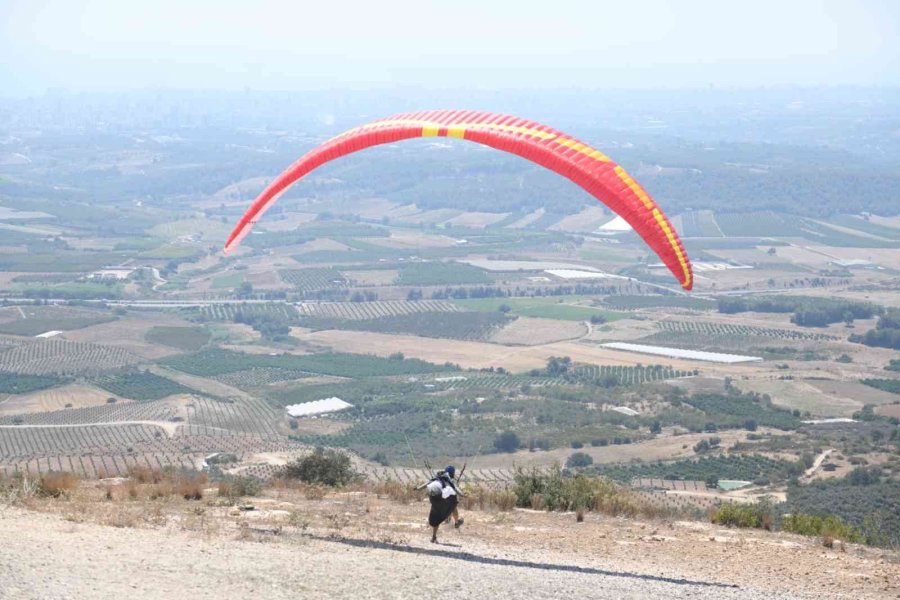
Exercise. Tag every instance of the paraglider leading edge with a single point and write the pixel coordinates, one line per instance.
(592, 170)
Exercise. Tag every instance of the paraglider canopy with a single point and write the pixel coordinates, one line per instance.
(595, 172)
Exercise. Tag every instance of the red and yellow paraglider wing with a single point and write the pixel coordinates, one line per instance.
(584, 165)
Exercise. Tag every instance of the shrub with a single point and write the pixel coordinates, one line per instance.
(830, 527)
(222, 458)
(325, 467)
(758, 516)
(142, 474)
(579, 459)
(577, 444)
(56, 484)
(507, 441)
(400, 492)
(554, 491)
(190, 485)
(239, 486)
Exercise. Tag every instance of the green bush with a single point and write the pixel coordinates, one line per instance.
(579, 459)
(559, 492)
(507, 441)
(814, 525)
(757, 516)
(239, 486)
(326, 467)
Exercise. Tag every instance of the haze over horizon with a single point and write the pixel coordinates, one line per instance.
(110, 46)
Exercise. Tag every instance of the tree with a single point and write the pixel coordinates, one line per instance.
(579, 460)
(507, 441)
(557, 365)
(245, 289)
(326, 467)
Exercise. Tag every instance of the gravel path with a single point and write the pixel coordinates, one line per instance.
(44, 556)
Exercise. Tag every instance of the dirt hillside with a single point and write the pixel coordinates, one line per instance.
(360, 546)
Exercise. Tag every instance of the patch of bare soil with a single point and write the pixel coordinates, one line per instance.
(480, 355)
(128, 332)
(68, 396)
(589, 219)
(669, 447)
(531, 331)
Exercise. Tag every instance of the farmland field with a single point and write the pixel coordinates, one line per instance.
(740, 467)
(189, 339)
(624, 375)
(73, 395)
(141, 386)
(220, 362)
(638, 302)
(372, 310)
(532, 331)
(310, 280)
(548, 308)
(441, 273)
(450, 325)
(46, 321)
(227, 312)
(735, 330)
(232, 280)
(58, 356)
(17, 383)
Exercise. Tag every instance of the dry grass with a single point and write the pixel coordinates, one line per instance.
(396, 491)
(190, 486)
(315, 492)
(146, 475)
(57, 483)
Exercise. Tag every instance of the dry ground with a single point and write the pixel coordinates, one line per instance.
(381, 277)
(356, 545)
(477, 219)
(480, 355)
(589, 219)
(128, 332)
(668, 447)
(531, 331)
(76, 395)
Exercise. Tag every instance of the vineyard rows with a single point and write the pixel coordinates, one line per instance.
(741, 467)
(730, 329)
(59, 356)
(669, 484)
(93, 461)
(106, 413)
(25, 441)
(373, 310)
(243, 417)
(453, 325)
(486, 477)
(141, 386)
(256, 377)
(227, 312)
(630, 375)
(677, 502)
(491, 381)
(311, 280)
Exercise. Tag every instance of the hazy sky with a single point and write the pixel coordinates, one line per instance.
(281, 44)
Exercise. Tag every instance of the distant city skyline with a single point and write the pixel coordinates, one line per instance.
(106, 45)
